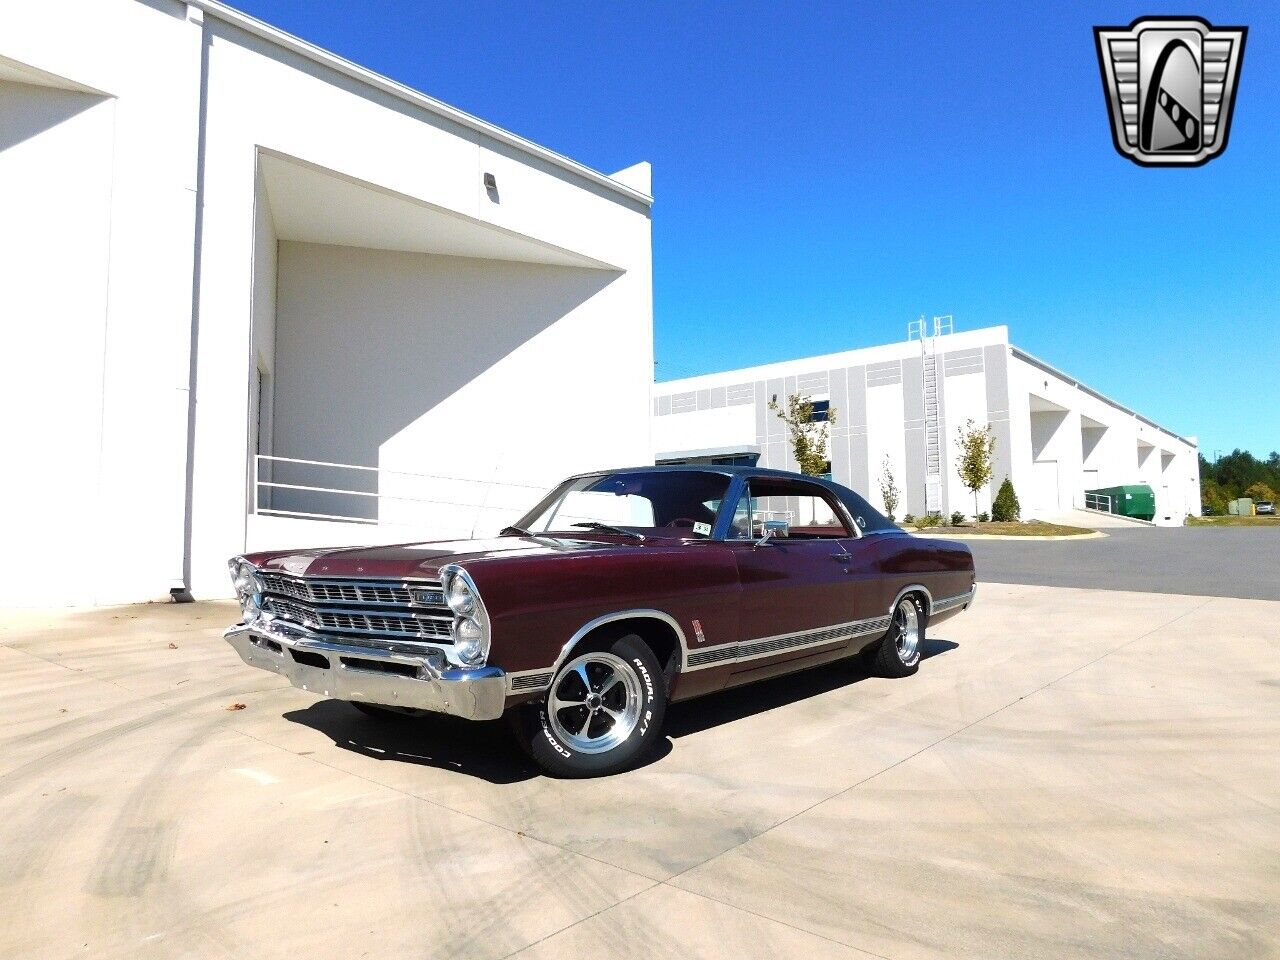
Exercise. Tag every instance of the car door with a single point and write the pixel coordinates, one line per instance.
(799, 592)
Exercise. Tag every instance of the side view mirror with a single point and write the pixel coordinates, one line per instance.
(772, 529)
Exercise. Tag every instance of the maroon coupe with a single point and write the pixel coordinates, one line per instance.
(619, 593)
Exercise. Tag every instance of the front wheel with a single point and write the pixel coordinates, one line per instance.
(602, 713)
(898, 654)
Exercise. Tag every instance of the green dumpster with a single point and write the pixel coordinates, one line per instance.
(1132, 500)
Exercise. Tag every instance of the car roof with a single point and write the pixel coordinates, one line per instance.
(728, 470)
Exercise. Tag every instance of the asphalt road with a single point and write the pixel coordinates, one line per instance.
(1201, 561)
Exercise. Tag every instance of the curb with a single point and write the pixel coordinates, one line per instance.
(1093, 535)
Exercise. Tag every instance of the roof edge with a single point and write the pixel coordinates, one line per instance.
(351, 69)
(1096, 394)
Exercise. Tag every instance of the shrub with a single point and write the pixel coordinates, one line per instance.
(957, 518)
(930, 520)
(908, 519)
(983, 517)
(1006, 506)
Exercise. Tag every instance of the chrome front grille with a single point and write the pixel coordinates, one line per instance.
(387, 592)
(412, 611)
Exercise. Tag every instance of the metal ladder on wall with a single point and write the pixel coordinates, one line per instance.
(941, 326)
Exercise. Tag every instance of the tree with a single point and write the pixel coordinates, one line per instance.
(977, 450)
(888, 487)
(1213, 497)
(1260, 491)
(1237, 471)
(1005, 508)
(808, 436)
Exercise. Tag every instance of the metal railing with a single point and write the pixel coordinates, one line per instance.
(349, 493)
(1098, 501)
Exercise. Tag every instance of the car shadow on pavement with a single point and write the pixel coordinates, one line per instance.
(487, 751)
(694, 716)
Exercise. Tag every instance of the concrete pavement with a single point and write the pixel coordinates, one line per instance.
(1073, 773)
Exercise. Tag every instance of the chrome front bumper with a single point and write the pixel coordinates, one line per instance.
(327, 667)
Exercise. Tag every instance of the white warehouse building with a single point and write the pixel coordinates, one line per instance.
(256, 295)
(902, 403)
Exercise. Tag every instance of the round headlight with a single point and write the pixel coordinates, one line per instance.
(252, 607)
(246, 580)
(248, 587)
(468, 640)
(460, 597)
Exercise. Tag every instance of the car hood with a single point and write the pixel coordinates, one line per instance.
(414, 560)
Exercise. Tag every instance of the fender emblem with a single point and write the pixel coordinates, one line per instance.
(697, 631)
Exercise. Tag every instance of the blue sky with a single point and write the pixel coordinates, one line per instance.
(824, 174)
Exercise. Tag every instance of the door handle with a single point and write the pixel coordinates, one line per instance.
(841, 557)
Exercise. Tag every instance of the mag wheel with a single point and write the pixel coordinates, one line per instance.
(899, 652)
(602, 712)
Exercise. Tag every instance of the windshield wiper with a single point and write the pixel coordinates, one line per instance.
(520, 530)
(610, 528)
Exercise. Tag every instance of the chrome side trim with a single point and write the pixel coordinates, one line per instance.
(744, 651)
(748, 650)
(959, 600)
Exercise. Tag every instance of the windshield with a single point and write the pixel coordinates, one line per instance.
(684, 502)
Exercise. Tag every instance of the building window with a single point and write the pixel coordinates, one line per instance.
(820, 410)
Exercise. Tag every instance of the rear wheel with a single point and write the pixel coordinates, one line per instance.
(602, 713)
(898, 654)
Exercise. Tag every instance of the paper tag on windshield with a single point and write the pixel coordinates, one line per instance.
(702, 528)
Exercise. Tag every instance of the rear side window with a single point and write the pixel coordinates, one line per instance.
(868, 519)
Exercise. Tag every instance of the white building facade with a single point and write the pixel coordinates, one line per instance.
(902, 404)
(249, 286)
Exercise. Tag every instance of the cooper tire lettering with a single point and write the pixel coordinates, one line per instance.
(546, 732)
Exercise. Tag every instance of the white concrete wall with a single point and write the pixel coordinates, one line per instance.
(261, 99)
(1171, 469)
(100, 228)
(964, 399)
(886, 438)
(447, 367)
(97, 168)
(730, 426)
(878, 394)
(980, 377)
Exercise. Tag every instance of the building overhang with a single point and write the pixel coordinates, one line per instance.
(313, 204)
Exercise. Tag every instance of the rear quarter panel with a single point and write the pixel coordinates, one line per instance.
(944, 567)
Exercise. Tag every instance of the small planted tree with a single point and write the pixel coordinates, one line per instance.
(808, 436)
(888, 487)
(1005, 507)
(977, 450)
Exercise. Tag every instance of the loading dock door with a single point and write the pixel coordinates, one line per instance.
(1044, 476)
